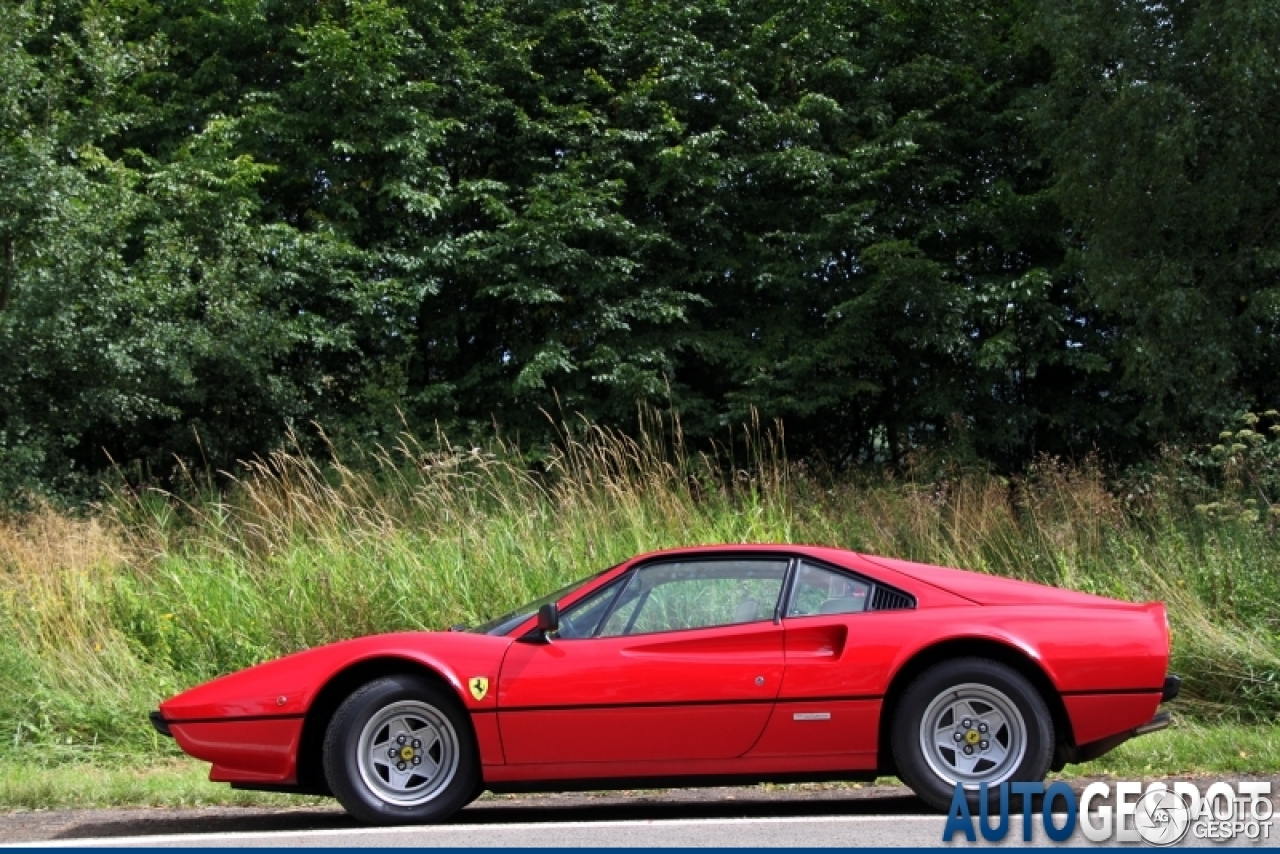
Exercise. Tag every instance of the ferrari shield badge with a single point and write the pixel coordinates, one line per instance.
(479, 687)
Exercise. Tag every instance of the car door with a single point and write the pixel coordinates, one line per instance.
(678, 659)
(829, 703)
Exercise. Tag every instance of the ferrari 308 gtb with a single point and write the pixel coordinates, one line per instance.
(697, 666)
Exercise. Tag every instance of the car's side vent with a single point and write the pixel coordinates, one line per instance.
(888, 599)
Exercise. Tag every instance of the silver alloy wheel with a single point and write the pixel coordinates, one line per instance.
(972, 734)
(407, 753)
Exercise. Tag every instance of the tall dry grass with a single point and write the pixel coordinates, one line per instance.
(103, 617)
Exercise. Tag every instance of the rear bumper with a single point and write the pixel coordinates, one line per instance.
(1070, 753)
(1094, 749)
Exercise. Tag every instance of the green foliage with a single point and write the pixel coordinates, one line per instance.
(143, 309)
(994, 230)
(1162, 121)
(1241, 472)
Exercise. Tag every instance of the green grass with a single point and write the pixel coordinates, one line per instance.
(1191, 748)
(105, 616)
(173, 783)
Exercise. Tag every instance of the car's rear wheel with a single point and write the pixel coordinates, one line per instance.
(399, 751)
(970, 721)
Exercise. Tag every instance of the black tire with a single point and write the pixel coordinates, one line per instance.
(943, 693)
(439, 774)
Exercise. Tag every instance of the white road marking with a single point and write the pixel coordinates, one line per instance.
(832, 831)
(478, 829)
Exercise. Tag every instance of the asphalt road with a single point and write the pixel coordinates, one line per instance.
(807, 816)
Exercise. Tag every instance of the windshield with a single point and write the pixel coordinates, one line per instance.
(507, 622)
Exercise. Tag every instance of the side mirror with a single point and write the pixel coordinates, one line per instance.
(548, 625)
(548, 620)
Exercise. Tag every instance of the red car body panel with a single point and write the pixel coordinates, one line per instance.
(260, 750)
(249, 708)
(801, 695)
(764, 768)
(700, 694)
(286, 686)
(851, 731)
(1096, 716)
(990, 589)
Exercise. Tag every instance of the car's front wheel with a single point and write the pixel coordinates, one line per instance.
(399, 751)
(970, 721)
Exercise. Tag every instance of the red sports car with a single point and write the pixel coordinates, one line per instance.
(697, 666)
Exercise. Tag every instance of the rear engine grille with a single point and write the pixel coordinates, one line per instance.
(888, 599)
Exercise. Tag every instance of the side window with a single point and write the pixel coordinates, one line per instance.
(695, 594)
(580, 619)
(819, 590)
(620, 619)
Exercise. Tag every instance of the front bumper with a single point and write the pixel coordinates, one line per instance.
(160, 724)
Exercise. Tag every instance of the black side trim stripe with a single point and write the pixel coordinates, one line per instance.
(688, 703)
(830, 699)
(236, 720)
(1110, 691)
(563, 708)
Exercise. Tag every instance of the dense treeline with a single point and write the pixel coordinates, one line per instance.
(991, 226)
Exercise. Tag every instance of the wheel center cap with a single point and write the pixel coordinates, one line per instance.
(971, 736)
(406, 752)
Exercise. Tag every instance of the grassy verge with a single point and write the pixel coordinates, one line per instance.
(103, 617)
(1189, 749)
(168, 783)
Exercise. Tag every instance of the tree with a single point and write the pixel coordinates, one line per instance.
(1164, 125)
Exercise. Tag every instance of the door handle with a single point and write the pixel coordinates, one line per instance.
(821, 642)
